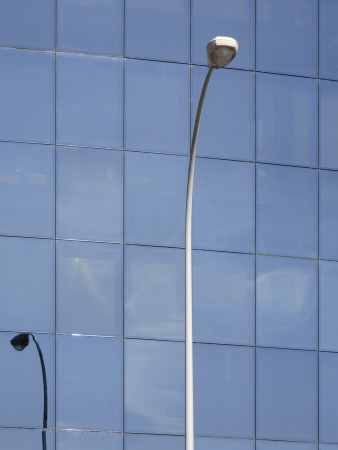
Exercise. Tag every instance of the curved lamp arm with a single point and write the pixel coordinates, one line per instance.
(45, 394)
(44, 378)
(189, 385)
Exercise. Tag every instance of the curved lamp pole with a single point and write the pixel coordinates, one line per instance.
(20, 342)
(221, 51)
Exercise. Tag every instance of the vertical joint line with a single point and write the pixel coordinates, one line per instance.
(255, 243)
(123, 221)
(55, 212)
(318, 236)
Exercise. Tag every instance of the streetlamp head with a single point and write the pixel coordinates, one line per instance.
(20, 341)
(221, 51)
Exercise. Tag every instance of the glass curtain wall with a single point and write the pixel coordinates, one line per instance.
(97, 105)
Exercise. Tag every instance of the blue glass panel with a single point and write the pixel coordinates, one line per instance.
(287, 36)
(286, 302)
(227, 128)
(89, 100)
(328, 214)
(328, 144)
(91, 26)
(21, 387)
(27, 24)
(155, 191)
(328, 401)
(270, 445)
(224, 387)
(286, 394)
(154, 387)
(223, 298)
(158, 29)
(144, 442)
(14, 439)
(153, 442)
(328, 447)
(27, 189)
(204, 443)
(157, 107)
(223, 206)
(328, 39)
(89, 194)
(287, 120)
(89, 288)
(27, 284)
(79, 440)
(235, 18)
(154, 299)
(89, 381)
(287, 211)
(328, 306)
(27, 95)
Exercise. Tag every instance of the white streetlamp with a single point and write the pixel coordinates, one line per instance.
(221, 51)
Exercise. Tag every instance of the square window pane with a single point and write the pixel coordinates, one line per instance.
(328, 144)
(286, 314)
(328, 214)
(223, 298)
(328, 306)
(223, 206)
(27, 107)
(89, 194)
(27, 284)
(224, 387)
(153, 442)
(154, 292)
(89, 381)
(227, 128)
(235, 18)
(27, 189)
(154, 387)
(328, 401)
(286, 394)
(90, 27)
(328, 39)
(205, 443)
(89, 101)
(21, 387)
(287, 211)
(14, 439)
(82, 440)
(155, 193)
(89, 288)
(287, 120)
(27, 24)
(287, 36)
(157, 107)
(274, 445)
(158, 29)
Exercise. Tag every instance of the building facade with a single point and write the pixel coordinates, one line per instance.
(97, 105)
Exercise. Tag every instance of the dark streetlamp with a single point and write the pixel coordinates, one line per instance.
(20, 342)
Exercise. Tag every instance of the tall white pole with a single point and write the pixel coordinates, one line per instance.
(189, 381)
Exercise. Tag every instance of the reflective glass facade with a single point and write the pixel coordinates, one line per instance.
(97, 107)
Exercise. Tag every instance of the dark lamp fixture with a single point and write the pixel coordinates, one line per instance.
(20, 341)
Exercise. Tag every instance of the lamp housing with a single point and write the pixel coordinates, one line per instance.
(20, 341)
(221, 51)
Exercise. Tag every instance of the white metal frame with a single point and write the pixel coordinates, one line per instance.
(189, 381)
